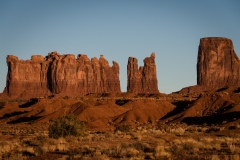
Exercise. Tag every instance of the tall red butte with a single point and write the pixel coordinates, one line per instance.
(217, 66)
(60, 74)
(144, 78)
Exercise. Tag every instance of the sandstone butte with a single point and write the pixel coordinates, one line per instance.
(62, 75)
(144, 78)
(217, 65)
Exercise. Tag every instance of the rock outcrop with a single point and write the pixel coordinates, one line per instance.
(144, 78)
(217, 66)
(60, 74)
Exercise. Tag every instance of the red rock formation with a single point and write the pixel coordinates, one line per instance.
(60, 74)
(144, 78)
(28, 77)
(217, 66)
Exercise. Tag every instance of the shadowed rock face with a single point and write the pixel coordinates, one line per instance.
(144, 78)
(60, 74)
(217, 66)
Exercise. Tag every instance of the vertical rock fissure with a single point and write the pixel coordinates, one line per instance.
(49, 77)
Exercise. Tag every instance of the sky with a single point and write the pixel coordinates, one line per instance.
(118, 30)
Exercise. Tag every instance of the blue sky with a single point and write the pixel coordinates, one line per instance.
(119, 29)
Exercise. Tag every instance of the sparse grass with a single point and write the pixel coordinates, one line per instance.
(177, 131)
(143, 142)
(161, 152)
(213, 129)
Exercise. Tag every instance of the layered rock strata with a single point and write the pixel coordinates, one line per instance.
(144, 78)
(217, 66)
(60, 74)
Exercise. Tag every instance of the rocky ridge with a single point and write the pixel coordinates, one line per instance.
(217, 66)
(60, 74)
(144, 78)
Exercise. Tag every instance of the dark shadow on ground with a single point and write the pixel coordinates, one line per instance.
(29, 103)
(2, 104)
(121, 102)
(180, 106)
(237, 90)
(25, 119)
(213, 119)
(8, 115)
(222, 89)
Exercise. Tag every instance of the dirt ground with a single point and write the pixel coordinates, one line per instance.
(174, 126)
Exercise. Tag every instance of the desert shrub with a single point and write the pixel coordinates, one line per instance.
(72, 153)
(215, 157)
(66, 97)
(177, 131)
(123, 128)
(212, 129)
(188, 146)
(140, 146)
(233, 127)
(66, 126)
(161, 153)
(174, 149)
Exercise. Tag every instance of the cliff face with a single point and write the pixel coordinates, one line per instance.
(144, 78)
(60, 74)
(217, 66)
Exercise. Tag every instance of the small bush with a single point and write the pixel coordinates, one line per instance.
(65, 126)
(123, 128)
(212, 129)
(233, 127)
(161, 153)
(177, 131)
(66, 97)
(140, 146)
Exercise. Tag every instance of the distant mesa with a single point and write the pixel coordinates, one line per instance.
(64, 75)
(217, 66)
(60, 74)
(144, 78)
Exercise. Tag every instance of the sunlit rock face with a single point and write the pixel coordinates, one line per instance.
(217, 65)
(144, 78)
(60, 74)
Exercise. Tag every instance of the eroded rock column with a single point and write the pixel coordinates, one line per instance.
(144, 78)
